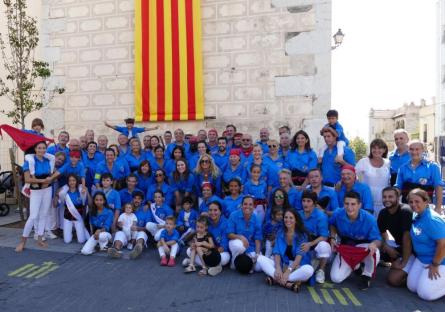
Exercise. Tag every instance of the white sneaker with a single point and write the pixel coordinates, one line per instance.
(214, 270)
(186, 262)
(50, 235)
(319, 276)
(129, 246)
(36, 237)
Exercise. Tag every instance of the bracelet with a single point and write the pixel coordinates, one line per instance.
(435, 264)
(289, 269)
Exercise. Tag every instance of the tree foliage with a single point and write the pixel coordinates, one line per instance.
(26, 82)
(359, 147)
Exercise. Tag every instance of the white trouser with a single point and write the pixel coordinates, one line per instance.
(68, 231)
(302, 274)
(173, 251)
(268, 248)
(236, 248)
(323, 250)
(39, 205)
(154, 230)
(340, 270)
(260, 213)
(426, 288)
(225, 257)
(88, 248)
(120, 236)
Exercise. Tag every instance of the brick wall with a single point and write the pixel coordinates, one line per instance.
(266, 63)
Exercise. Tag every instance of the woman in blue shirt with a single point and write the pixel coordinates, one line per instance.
(160, 184)
(207, 197)
(426, 277)
(158, 162)
(301, 158)
(207, 171)
(144, 175)
(101, 219)
(135, 156)
(182, 182)
(291, 264)
(40, 196)
(234, 169)
(116, 167)
(91, 158)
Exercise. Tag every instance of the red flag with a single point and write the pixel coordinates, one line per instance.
(23, 139)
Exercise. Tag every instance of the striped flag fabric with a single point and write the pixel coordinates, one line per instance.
(168, 60)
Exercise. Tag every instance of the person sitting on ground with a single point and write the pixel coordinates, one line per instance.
(168, 243)
(186, 223)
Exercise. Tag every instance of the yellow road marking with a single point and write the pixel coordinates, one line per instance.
(351, 297)
(327, 285)
(314, 295)
(43, 268)
(327, 297)
(34, 267)
(48, 271)
(339, 296)
(21, 269)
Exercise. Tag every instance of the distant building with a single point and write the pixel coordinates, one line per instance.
(440, 86)
(418, 120)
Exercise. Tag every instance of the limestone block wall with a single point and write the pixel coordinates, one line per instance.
(266, 63)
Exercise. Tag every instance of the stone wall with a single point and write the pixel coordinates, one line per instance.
(266, 63)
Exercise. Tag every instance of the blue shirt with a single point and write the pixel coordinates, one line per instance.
(75, 198)
(239, 173)
(144, 182)
(427, 228)
(280, 162)
(222, 161)
(134, 131)
(230, 205)
(162, 212)
(365, 195)
(362, 230)
(426, 173)
(67, 168)
(133, 161)
(258, 191)
(204, 207)
(119, 170)
(329, 193)
(316, 223)
(53, 149)
(398, 160)
(215, 181)
(165, 188)
(302, 161)
(264, 146)
(174, 236)
(281, 246)
(330, 169)
(90, 165)
(41, 167)
(113, 199)
(251, 229)
(126, 196)
(103, 220)
(143, 216)
(191, 222)
(183, 184)
(271, 227)
(219, 233)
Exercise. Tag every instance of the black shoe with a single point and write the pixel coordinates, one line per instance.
(365, 282)
(359, 270)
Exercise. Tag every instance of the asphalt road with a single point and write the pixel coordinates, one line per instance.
(52, 281)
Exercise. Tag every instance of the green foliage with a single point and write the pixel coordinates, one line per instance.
(359, 147)
(26, 78)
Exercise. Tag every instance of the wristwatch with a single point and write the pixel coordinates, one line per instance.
(289, 269)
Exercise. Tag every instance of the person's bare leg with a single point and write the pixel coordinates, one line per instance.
(21, 245)
(41, 242)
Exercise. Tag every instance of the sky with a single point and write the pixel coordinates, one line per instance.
(387, 58)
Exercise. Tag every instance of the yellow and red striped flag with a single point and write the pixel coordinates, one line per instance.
(168, 60)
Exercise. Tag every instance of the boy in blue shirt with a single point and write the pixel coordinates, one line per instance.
(112, 196)
(129, 130)
(168, 243)
(186, 220)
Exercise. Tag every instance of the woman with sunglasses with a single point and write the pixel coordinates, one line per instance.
(207, 171)
(274, 156)
(160, 184)
(301, 158)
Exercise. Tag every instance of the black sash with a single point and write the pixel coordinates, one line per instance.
(38, 186)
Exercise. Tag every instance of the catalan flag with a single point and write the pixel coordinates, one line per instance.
(168, 60)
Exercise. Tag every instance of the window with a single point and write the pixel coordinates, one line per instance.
(425, 133)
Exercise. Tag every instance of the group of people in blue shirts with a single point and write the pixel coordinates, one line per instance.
(275, 206)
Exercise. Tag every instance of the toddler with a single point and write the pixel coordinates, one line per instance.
(168, 243)
(271, 229)
(126, 222)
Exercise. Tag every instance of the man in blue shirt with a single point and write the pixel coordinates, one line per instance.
(130, 130)
(330, 164)
(264, 138)
(353, 226)
(400, 154)
(221, 157)
(327, 197)
(63, 140)
(179, 141)
(349, 183)
(126, 194)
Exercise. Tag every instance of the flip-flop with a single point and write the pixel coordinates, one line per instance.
(270, 281)
(190, 269)
(203, 272)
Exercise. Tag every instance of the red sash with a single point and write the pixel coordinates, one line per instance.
(354, 255)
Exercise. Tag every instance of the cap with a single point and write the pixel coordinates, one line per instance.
(348, 167)
(213, 130)
(235, 151)
(75, 154)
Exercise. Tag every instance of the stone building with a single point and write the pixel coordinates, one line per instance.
(418, 120)
(266, 63)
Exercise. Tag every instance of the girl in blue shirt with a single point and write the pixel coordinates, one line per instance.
(101, 219)
(207, 198)
(182, 182)
(232, 202)
(144, 176)
(258, 189)
(291, 265)
(426, 277)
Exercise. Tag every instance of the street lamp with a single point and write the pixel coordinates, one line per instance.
(338, 39)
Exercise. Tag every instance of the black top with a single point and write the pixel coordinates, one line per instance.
(288, 252)
(396, 223)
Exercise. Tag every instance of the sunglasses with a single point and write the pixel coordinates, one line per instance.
(279, 196)
(272, 146)
(205, 161)
(159, 175)
(245, 140)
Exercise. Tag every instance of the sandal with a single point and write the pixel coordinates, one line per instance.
(295, 287)
(270, 281)
(191, 268)
(203, 272)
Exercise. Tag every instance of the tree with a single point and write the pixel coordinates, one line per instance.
(359, 147)
(26, 80)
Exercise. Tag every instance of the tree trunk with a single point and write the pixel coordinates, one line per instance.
(17, 184)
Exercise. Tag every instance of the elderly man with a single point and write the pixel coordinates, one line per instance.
(246, 145)
(102, 143)
(167, 137)
(179, 141)
(63, 140)
(349, 183)
(83, 143)
(400, 154)
(212, 142)
(202, 135)
(330, 164)
(89, 134)
(230, 132)
(264, 138)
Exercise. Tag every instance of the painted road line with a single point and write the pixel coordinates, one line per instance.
(351, 297)
(327, 297)
(21, 269)
(339, 297)
(327, 285)
(53, 268)
(314, 295)
(45, 267)
(31, 269)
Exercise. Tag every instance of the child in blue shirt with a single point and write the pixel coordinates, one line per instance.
(342, 141)
(168, 243)
(258, 189)
(129, 130)
(186, 220)
(271, 229)
(113, 197)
